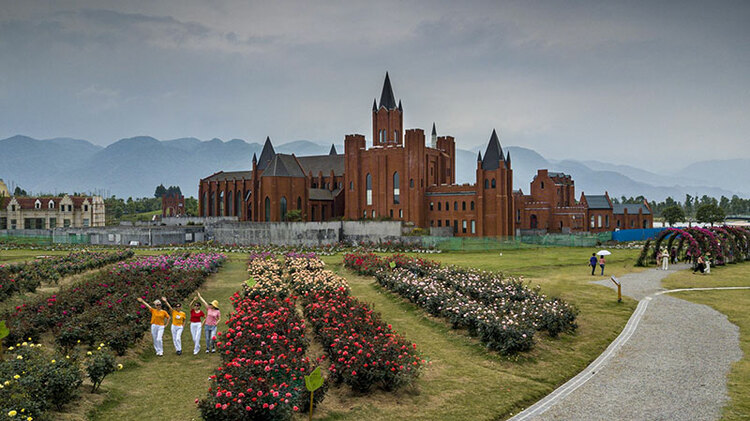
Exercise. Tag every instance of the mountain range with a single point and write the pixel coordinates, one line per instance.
(133, 167)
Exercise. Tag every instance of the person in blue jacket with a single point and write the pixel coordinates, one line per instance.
(592, 263)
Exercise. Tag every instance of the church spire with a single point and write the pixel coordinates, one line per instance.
(433, 138)
(333, 150)
(387, 99)
(494, 153)
(374, 105)
(266, 155)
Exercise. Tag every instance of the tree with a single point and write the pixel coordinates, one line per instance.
(673, 214)
(160, 191)
(19, 192)
(191, 206)
(294, 215)
(709, 213)
(688, 205)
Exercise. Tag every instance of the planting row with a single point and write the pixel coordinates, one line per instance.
(28, 276)
(263, 353)
(103, 308)
(504, 313)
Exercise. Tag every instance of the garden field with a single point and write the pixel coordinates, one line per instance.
(461, 379)
(735, 305)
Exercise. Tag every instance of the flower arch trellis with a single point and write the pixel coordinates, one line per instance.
(742, 240)
(670, 233)
(710, 242)
(728, 245)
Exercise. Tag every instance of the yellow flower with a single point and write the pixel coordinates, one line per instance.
(67, 357)
(29, 419)
(19, 357)
(99, 349)
(10, 348)
(7, 382)
(16, 377)
(79, 341)
(2, 387)
(101, 345)
(119, 366)
(53, 361)
(88, 353)
(12, 413)
(25, 343)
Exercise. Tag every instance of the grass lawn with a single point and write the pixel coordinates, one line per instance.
(167, 387)
(21, 255)
(735, 305)
(463, 380)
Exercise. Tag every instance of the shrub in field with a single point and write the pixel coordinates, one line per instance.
(99, 365)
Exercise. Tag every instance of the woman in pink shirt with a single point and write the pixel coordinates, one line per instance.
(213, 317)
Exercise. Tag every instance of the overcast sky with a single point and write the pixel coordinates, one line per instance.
(627, 83)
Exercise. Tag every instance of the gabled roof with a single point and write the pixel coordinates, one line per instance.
(266, 155)
(231, 175)
(597, 202)
(632, 208)
(322, 163)
(494, 153)
(283, 165)
(323, 194)
(387, 99)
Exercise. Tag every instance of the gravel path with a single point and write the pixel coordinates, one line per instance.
(673, 367)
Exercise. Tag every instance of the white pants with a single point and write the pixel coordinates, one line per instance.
(665, 263)
(195, 330)
(157, 331)
(177, 337)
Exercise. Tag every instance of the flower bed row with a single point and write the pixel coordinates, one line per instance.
(503, 313)
(28, 276)
(104, 308)
(363, 350)
(263, 353)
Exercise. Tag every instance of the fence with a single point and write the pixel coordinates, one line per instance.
(636, 234)
(567, 240)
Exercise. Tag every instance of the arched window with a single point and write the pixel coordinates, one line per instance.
(368, 185)
(37, 204)
(455, 206)
(351, 185)
(395, 135)
(230, 203)
(51, 205)
(396, 189)
(493, 183)
(282, 204)
(472, 205)
(411, 183)
(440, 205)
(221, 203)
(463, 205)
(205, 204)
(212, 207)
(239, 204)
(486, 183)
(268, 209)
(299, 203)
(447, 207)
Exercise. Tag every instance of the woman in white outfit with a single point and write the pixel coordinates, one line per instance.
(664, 260)
(196, 323)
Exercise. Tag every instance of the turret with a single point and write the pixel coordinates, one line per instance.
(433, 142)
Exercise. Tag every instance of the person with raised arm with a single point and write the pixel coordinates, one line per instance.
(159, 319)
(210, 323)
(178, 324)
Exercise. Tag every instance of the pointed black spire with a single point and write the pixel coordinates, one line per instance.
(387, 99)
(400, 108)
(255, 158)
(507, 159)
(374, 105)
(479, 156)
(266, 155)
(494, 153)
(333, 150)
(434, 131)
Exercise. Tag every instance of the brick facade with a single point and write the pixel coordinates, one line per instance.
(172, 205)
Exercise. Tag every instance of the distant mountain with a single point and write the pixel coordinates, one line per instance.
(135, 166)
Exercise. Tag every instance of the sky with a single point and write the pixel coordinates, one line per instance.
(651, 84)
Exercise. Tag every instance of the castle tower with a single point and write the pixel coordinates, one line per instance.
(387, 118)
(433, 143)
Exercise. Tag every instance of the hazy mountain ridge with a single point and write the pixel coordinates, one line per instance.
(135, 166)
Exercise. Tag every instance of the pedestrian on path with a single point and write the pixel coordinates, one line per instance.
(178, 324)
(665, 260)
(213, 317)
(592, 263)
(601, 263)
(196, 324)
(159, 319)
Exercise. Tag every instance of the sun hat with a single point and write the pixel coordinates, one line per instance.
(215, 303)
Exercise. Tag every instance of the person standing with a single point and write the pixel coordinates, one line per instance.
(196, 317)
(601, 263)
(665, 260)
(159, 319)
(210, 324)
(592, 263)
(178, 324)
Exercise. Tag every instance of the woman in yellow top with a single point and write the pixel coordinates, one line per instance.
(159, 319)
(178, 323)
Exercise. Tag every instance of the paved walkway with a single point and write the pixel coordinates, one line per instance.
(670, 363)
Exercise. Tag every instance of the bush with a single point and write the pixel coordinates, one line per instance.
(99, 365)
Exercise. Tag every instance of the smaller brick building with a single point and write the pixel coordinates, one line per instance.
(551, 205)
(172, 204)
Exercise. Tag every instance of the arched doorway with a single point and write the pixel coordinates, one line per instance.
(534, 222)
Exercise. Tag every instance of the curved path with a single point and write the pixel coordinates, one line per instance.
(670, 362)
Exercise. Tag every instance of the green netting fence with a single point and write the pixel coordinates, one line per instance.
(506, 243)
(35, 238)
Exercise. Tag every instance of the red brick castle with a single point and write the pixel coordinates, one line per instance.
(399, 177)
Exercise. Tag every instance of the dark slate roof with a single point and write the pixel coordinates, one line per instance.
(231, 175)
(324, 163)
(507, 159)
(434, 131)
(283, 165)
(333, 150)
(597, 202)
(387, 99)
(323, 194)
(374, 104)
(558, 174)
(255, 158)
(266, 155)
(632, 208)
(494, 153)
(479, 156)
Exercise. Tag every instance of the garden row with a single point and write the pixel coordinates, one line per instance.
(504, 313)
(28, 276)
(103, 307)
(265, 345)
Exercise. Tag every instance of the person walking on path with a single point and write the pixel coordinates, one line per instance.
(213, 317)
(196, 317)
(665, 260)
(159, 319)
(178, 324)
(601, 263)
(592, 263)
